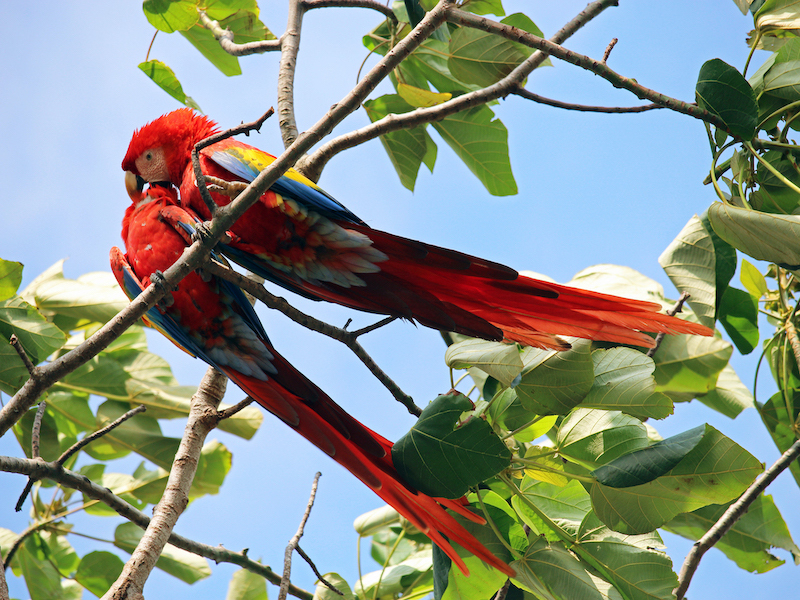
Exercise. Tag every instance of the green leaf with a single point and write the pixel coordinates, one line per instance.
(43, 580)
(752, 280)
(565, 506)
(553, 383)
(724, 92)
(548, 570)
(407, 148)
(94, 296)
(394, 579)
(596, 437)
(98, 571)
(690, 263)
(782, 78)
(37, 336)
(780, 416)
(481, 141)
(738, 314)
(773, 238)
(441, 458)
(10, 278)
(323, 592)
(501, 361)
(483, 58)
(420, 98)
(773, 194)
(730, 396)
(219, 10)
(100, 375)
(49, 445)
(646, 464)
(623, 380)
(171, 15)
(689, 365)
(715, 471)
(207, 45)
(246, 585)
(620, 281)
(215, 462)
(376, 520)
(748, 543)
(637, 573)
(179, 563)
(13, 373)
(483, 581)
(484, 7)
(165, 78)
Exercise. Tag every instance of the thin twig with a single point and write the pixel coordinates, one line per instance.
(200, 178)
(671, 312)
(348, 338)
(73, 480)
(319, 575)
(372, 4)
(232, 410)
(36, 430)
(15, 343)
(86, 440)
(729, 518)
(287, 558)
(609, 48)
(528, 95)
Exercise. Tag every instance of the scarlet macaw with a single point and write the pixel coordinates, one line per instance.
(214, 321)
(301, 238)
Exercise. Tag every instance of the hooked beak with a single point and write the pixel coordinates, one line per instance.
(134, 185)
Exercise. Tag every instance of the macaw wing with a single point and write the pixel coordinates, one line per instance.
(248, 162)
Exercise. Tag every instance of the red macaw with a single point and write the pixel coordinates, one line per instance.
(214, 321)
(301, 238)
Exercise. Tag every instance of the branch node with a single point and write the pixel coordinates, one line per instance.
(678, 307)
(17, 345)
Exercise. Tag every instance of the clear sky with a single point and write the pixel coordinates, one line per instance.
(592, 189)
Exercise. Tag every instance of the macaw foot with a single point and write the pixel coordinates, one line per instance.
(158, 280)
(226, 188)
(202, 231)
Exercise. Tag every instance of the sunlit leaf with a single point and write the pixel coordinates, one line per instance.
(501, 361)
(730, 396)
(165, 78)
(171, 15)
(738, 314)
(596, 437)
(10, 278)
(246, 585)
(38, 337)
(98, 571)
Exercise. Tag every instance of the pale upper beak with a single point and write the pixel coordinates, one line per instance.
(134, 185)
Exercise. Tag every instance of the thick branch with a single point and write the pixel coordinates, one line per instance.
(348, 338)
(54, 472)
(225, 39)
(313, 165)
(289, 48)
(202, 413)
(728, 520)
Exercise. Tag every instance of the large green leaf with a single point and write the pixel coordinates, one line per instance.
(715, 471)
(553, 383)
(499, 360)
(93, 296)
(596, 437)
(481, 141)
(171, 15)
(205, 43)
(730, 396)
(98, 571)
(773, 238)
(407, 148)
(322, 591)
(646, 464)
(748, 542)
(724, 92)
(738, 314)
(689, 365)
(550, 571)
(43, 580)
(395, 579)
(690, 263)
(443, 458)
(246, 585)
(780, 415)
(10, 278)
(165, 78)
(38, 337)
(483, 58)
(623, 380)
(565, 506)
(179, 563)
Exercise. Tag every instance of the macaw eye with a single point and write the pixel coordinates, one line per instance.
(148, 155)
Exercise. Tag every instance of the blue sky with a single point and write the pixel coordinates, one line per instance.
(592, 189)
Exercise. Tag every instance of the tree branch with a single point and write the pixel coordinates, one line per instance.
(81, 483)
(287, 556)
(678, 307)
(15, 343)
(348, 338)
(528, 95)
(225, 39)
(313, 165)
(289, 49)
(728, 520)
(372, 4)
(202, 412)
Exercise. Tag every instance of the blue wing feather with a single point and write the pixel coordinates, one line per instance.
(313, 198)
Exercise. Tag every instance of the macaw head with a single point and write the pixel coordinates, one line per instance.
(160, 151)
